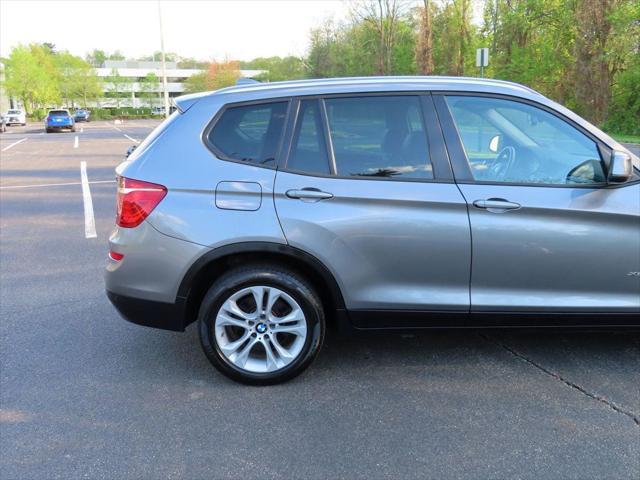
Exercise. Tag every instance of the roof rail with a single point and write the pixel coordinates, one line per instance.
(246, 81)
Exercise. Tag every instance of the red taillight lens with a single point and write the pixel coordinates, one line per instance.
(115, 255)
(136, 200)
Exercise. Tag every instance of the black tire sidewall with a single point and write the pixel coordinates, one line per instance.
(286, 281)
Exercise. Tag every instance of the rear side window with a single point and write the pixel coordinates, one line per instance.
(379, 137)
(250, 133)
(309, 147)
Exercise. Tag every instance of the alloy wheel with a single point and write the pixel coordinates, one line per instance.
(260, 329)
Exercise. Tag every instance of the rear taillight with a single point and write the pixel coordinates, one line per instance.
(48, 119)
(115, 256)
(136, 200)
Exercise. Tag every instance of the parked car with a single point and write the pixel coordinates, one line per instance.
(59, 120)
(16, 117)
(82, 115)
(371, 203)
(3, 124)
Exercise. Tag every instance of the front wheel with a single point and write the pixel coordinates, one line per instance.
(261, 325)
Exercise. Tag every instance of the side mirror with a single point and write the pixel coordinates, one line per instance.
(130, 151)
(620, 168)
(494, 144)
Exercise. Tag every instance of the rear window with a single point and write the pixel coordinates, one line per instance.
(250, 133)
(58, 113)
(380, 136)
(13, 112)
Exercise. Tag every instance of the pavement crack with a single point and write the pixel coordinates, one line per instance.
(567, 382)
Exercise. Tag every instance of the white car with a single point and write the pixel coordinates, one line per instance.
(16, 116)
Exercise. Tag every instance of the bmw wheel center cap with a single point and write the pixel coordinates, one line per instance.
(261, 327)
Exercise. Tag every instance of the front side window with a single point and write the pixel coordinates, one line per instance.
(512, 142)
(379, 136)
(250, 133)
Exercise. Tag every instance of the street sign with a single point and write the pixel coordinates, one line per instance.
(482, 59)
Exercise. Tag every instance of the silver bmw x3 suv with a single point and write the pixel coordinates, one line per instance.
(267, 212)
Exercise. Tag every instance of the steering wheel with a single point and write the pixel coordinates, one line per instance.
(503, 162)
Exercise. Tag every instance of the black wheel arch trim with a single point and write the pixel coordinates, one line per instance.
(260, 247)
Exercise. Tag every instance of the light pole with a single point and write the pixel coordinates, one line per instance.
(164, 68)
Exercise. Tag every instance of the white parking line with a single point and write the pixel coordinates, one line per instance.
(89, 219)
(131, 138)
(9, 187)
(13, 144)
(75, 142)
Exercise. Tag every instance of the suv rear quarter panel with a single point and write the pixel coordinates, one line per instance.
(180, 161)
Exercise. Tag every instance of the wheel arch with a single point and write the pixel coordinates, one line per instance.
(212, 264)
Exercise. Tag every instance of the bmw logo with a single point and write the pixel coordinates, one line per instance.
(261, 327)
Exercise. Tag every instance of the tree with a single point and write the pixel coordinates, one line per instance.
(149, 87)
(217, 75)
(424, 43)
(96, 57)
(30, 75)
(117, 56)
(117, 85)
(383, 16)
(196, 83)
(277, 68)
(455, 38)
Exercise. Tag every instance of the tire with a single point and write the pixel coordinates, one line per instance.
(260, 368)
(47, 130)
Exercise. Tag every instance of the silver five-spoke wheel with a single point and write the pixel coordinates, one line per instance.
(260, 329)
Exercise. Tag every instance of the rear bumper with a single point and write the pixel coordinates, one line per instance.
(149, 313)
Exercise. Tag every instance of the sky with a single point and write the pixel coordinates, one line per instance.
(205, 30)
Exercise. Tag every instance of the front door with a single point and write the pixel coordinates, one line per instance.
(363, 193)
(549, 233)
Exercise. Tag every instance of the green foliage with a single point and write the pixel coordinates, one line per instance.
(40, 77)
(117, 85)
(78, 81)
(31, 76)
(149, 87)
(277, 68)
(624, 110)
(196, 83)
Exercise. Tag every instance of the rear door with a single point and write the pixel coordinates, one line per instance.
(549, 234)
(367, 189)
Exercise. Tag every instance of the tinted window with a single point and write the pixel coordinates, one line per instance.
(309, 148)
(379, 137)
(509, 141)
(250, 133)
(58, 113)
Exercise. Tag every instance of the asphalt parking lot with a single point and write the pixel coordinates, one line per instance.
(84, 394)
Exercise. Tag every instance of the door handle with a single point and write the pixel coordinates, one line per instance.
(496, 204)
(308, 194)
